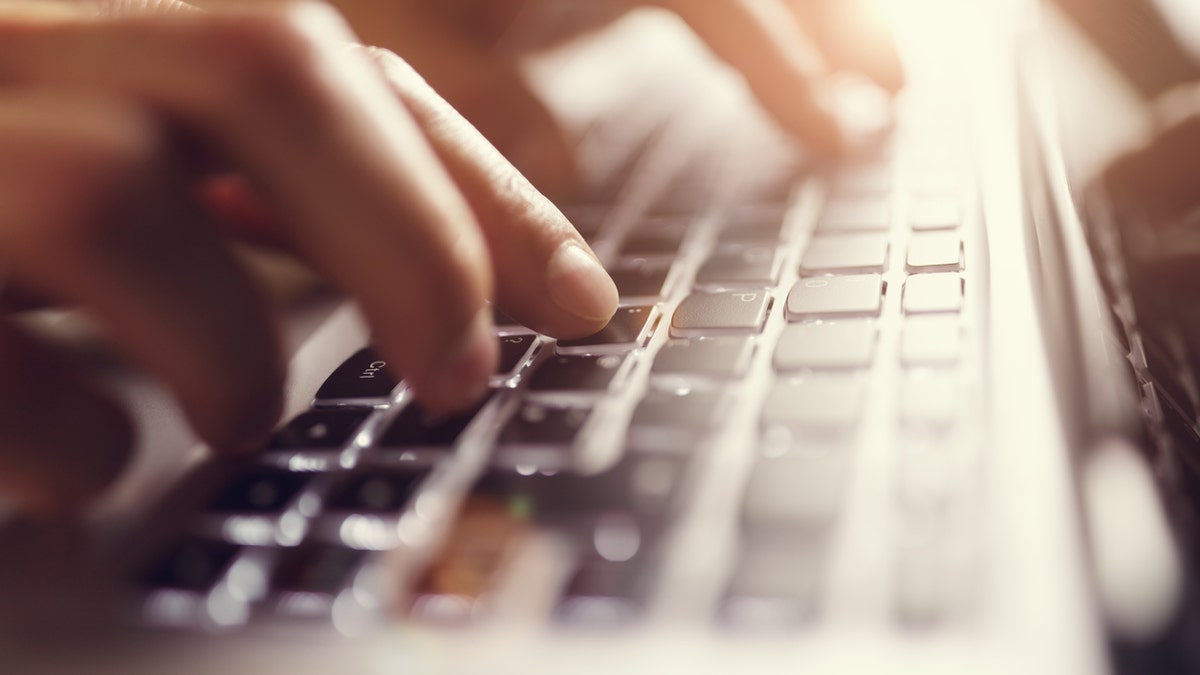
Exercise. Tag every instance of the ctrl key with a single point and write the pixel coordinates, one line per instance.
(362, 379)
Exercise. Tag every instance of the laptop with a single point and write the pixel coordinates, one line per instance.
(848, 418)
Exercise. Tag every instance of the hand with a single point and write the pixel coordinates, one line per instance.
(133, 140)
(780, 46)
(1152, 193)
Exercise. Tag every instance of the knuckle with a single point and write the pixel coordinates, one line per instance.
(67, 174)
(269, 56)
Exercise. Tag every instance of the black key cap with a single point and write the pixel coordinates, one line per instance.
(317, 568)
(513, 351)
(626, 330)
(375, 492)
(260, 490)
(756, 234)
(320, 430)
(754, 266)
(741, 311)
(415, 428)
(643, 281)
(537, 424)
(637, 484)
(576, 373)
(655, 239)
(363, 377)
(503, 321)
(661, 409)
(193, 565)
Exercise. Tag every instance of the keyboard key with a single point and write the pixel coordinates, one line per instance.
(750, 225)
(503, 321)
(795, 492)
(641, 281)
(869, 179)
(844, 344)
(741, 311)
(320, 430)
(859, 215)
(602, 592)
(865, 252)
(577, 373)
(514, 351)
(754, 266)
(192, 565)
(537, 424)
(774, 585)
(930, 340)
(628, 329)
(666, 420)
(655, 239)
(363, 378)
(824, 402)
(833, 297)
(317, 568)
(929, 399)
(416, 428)
(377, 491)
(935, 214)
(261, 490)
(934, 252)
(642, 485)
(931, 293)
(725, 357)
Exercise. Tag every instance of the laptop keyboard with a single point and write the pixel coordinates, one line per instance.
(781, 420)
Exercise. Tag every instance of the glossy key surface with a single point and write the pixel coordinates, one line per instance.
(576, 373)
(625, 330)
(193, 564)
(738, 311)
(375, 490)
(363, 376)
(414, 427)
(934, 252)
(858, 295)
(514, 349)
(931, 293)
(316, 568)
(716, 357)
(261, 490)
(848, 253)
(738, 267)
(848, 343)
(320, 429)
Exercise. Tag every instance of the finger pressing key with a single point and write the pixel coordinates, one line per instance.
(316, 129)
(547, 276)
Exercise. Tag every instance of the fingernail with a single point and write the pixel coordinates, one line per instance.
(468, 367)
(579, 285)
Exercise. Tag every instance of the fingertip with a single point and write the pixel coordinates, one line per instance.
(239, 412)
(459, 377)
(580, 286)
